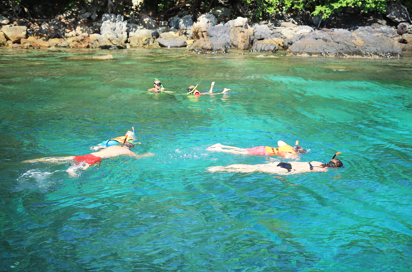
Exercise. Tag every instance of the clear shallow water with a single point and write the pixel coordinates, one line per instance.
(165, 213)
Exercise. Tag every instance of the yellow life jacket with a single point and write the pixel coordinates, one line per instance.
(280, 151)
(120, 139)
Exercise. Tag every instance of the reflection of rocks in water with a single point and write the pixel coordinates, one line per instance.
(267, 56)
(106, 57)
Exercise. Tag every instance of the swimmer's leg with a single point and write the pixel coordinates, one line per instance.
(72, 170)
(211, 87)
(51, 160)
(225, 90)
(234, 168)
(227, 149)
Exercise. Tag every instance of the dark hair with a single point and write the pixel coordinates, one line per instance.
(129, 145)
(335, 163)
(301, 150)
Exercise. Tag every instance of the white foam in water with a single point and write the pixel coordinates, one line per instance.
(74, 167)
(39, 176)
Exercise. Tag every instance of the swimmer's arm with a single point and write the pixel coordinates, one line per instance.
(97, 147)
(289, 155)
(137, 156)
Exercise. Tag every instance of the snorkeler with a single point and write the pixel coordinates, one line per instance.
(85, 161)
(130, 137)
(281, 168)
(283, 150)
(193, 91)
(157, 87)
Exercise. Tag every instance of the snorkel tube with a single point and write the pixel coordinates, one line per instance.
(161, 85)
(125, 139)
(134, 134)
(193, 90)
(332, 163)
(337, 153)
(296, 146)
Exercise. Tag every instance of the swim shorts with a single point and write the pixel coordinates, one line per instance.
(257, 151)
(89, 159)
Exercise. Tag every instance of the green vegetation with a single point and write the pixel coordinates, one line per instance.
(164, 9)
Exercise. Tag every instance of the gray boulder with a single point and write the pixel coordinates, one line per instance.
(240, 33)
(114, 28)
(208, 19)
(262, 32)
(101, 42)
(207, 46)
(143, 37)
(397, 13)
(344, 43)
(171, 43)
(221, 32)
(174, 22)
(186, 22)
(147, 22)
(262, 46)
(403, 28)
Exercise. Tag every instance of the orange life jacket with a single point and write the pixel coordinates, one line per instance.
(280, 151)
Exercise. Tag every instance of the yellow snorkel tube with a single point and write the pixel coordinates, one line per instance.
(296, 146)
(193, 90)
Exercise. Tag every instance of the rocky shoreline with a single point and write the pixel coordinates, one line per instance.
(212, 33)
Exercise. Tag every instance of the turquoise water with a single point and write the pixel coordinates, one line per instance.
(166, 213)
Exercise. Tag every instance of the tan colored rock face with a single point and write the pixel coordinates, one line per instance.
(3, 40)
(14, 33)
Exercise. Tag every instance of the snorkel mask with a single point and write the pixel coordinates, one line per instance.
(191, 91)
(334, 163)
(159, 83)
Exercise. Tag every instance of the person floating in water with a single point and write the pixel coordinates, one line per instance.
(85, 161)
(283, 150)
(280, 168)
(130, 137)
(193, 91)
(157, 87)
